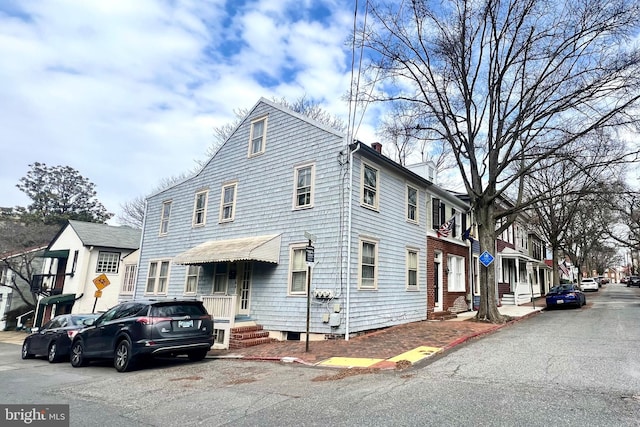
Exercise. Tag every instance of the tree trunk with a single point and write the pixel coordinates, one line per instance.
(488, 310)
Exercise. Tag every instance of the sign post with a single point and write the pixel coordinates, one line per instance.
(100, 282)
(309, 257)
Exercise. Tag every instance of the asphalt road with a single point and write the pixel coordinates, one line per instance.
(564, 367)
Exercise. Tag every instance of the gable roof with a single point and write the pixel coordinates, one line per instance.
(108, 236)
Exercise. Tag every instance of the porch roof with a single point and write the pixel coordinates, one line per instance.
(513, 254)
(258, 248)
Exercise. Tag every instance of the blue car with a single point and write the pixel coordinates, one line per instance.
(568, 294)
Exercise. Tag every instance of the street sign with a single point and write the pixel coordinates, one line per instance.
(101, 282)
(486, 258)
(309, 236)
(97, 294)
(309, 253)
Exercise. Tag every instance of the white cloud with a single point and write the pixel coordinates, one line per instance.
(127, 92)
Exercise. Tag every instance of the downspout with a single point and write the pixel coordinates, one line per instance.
(349, 238)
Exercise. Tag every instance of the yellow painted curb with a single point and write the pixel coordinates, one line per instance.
(349, 362)
(416, 354)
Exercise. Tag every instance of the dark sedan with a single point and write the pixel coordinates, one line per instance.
(633, 281)
(54, 338)
(568, 294)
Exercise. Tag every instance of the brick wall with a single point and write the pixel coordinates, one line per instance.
(448, 298)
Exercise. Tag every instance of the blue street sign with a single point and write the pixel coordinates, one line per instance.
(486, 258)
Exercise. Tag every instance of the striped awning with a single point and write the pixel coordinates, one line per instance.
(259, 248)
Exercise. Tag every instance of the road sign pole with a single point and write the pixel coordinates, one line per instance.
(306, 347)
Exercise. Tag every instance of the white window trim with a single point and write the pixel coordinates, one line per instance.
(264, 136)
(129, 280)
(376, 265)
(156, 278)
(376, 205)
(456, 274)
(110, 255)
(312, 185)
(221, 218)
(164, 219)
(186, 279)
(407, 285)
(417, 219)
(204, 209)
(293, 247)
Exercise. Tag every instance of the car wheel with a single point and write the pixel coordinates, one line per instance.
(53, 355)
(77, 355)
(197, 355)
(123, 360)
(25, 351)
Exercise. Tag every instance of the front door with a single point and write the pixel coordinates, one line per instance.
(437, 282)
(244, 288)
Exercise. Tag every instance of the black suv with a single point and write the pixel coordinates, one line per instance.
(633, 281)
(135, 330)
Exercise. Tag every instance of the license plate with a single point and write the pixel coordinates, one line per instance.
(185, 324)
(560, 301)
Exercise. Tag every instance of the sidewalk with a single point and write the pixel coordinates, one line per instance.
(395, 347)
(383, 349)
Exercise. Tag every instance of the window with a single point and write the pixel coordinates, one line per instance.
(456, 274)
(157, 277)
(220, 278)
(164, 219)
(370, 187)
(257, 139)
(368, 267)
(298, 270)
(218, 336)
(304, 186)
(412, 270)
(200, 208)
(228, 202)
(191, 282)
(438, 213)
(412, 204)
(108, 262)
(129, 281)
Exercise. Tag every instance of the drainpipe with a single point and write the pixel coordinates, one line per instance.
(349, 238)
(144, 222)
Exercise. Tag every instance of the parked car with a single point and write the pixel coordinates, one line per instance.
(624, 280)
(604, 280)
(53, 339)
(633, 281)
(567, 294)
(137, 330)
(589, 284)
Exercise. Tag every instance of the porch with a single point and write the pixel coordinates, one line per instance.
(522, 293)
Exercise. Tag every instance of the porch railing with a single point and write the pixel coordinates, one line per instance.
(523, 292)
(221, 307)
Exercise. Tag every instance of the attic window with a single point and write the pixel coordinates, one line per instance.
(257, 138)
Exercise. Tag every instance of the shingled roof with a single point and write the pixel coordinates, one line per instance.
(108, 236)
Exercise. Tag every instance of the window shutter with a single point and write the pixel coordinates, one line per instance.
(435, 214)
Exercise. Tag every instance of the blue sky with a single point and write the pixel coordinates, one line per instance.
(128, 92)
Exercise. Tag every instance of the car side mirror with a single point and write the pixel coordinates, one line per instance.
(89, 322)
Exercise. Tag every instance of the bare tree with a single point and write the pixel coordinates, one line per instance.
(505, 84)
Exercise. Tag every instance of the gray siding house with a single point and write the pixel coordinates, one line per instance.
(235, 235)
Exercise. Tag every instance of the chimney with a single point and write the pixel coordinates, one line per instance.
(377, 146)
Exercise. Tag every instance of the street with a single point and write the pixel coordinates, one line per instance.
(569, 367)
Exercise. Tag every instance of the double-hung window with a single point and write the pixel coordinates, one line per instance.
(456, 276)
(412, 204)
(304, 179)
(200, 208)
(228, 202)
(412, 270)
(257, 138)
(157, 277)
(191, 281)
(298, 270)
(220, 278)
(370, 186)
(108, 262)
(368, 264)
(164, 218)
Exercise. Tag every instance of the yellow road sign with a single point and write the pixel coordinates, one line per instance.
(101, 282)
(97, 294)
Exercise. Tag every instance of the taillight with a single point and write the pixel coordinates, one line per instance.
(71, 334)
(152, 320)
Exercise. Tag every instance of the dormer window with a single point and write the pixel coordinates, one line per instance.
(257, 138)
